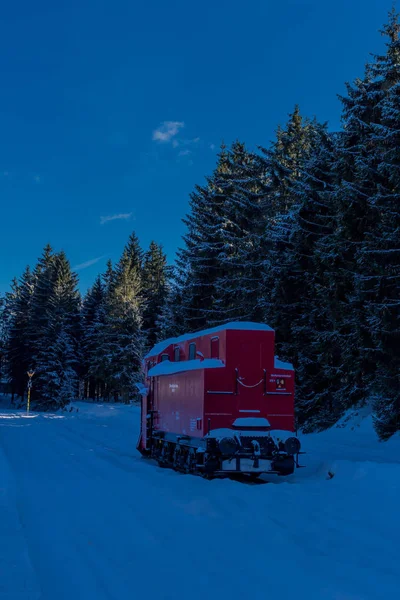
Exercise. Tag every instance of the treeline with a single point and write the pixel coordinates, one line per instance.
(88, 349)
(303, 234)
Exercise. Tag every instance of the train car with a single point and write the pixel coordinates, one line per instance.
(218, 403)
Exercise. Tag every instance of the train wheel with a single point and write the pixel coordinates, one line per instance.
(189, 465)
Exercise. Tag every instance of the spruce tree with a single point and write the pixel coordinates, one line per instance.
(379, 256)
(18, 344)
(93, 322)
(56, 348)
(199, 261)
(313, 344)
(380, 286)
(123, 338)
(155, 274)
(237, 288)
(283, 165)
(346, 253)
(171, 322)
(43, 284)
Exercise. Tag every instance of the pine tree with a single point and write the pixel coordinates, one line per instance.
(43, 284)
(198, 262)
(380, 287)
(346, 253)
(284, 160)
(18, 346)
(313, 346)
(378, 284)
(56, 347)
(283, 165)
(109, 278)
(155, 276)
(93, 324)
(122, 335)
(99, 337)
(171, 322)
(56, 368)
(351, 257)
(237, 288)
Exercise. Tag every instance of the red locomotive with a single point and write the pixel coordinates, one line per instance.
(218, 402)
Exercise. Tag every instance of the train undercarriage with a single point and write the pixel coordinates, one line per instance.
(252, 455)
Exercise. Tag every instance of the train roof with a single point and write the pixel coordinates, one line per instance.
(235, 325)
(171, 368)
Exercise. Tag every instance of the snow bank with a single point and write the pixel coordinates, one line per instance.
(236, 325)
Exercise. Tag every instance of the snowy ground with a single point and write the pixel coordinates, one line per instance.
(85, 517)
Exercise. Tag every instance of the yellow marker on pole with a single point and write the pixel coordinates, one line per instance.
(30, 375)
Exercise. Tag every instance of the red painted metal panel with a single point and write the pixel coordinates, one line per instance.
(280, 401)
(178, 400)
(250, 358)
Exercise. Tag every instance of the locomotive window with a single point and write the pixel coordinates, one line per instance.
(192, 351)
(177, 355)
(164, 357)
(215, 347)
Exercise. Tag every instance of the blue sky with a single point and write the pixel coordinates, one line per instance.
(111, 112)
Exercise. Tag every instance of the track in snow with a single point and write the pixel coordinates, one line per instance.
(89, 518)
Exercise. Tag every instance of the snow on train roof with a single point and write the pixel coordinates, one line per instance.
(169, 368)
(279, 364)
(237, 325)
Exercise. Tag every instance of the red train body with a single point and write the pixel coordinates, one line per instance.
(219, 402)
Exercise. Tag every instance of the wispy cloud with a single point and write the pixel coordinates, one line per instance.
(212, 146)
(87, 264)
(167, 131)
(123, 216)
(37, 179)
(185, 142)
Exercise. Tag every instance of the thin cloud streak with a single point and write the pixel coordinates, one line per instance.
(123, 216)
(87, 264)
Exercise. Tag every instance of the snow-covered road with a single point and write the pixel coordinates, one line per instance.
(85, 517)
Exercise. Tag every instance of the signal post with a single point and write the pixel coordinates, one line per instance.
(30, 375)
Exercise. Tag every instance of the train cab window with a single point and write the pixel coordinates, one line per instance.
(177, 354)
(164, 357)
(215, 347)
(192, 351)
